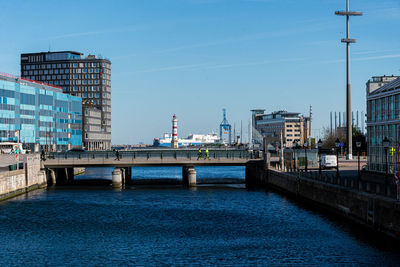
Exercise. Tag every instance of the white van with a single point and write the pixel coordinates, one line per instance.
(328, 161)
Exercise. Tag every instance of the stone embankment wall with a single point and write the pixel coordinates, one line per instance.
(17, 182)
(375, 211)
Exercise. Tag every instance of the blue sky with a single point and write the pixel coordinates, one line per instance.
(194, 57)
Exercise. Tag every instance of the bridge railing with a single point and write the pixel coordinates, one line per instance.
(187, 154)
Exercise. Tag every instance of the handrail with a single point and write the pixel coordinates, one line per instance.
(160, 154)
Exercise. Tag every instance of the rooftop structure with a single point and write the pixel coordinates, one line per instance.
(378, 81)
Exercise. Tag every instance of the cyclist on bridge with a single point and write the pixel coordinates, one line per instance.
(199, 154)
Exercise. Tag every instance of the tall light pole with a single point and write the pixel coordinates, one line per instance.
(348, 41)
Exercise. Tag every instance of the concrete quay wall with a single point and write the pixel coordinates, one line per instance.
(13, 183)
(377, 212)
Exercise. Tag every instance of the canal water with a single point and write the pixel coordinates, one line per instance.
(221, 224)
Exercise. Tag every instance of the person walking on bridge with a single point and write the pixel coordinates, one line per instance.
(206, 154)
(199, 154)
(116, 154)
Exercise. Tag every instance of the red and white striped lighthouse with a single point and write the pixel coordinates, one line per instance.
(174, 141)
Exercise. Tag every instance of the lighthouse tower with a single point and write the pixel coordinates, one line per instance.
(174, 141)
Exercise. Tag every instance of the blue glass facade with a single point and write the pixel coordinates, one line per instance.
(44, 116)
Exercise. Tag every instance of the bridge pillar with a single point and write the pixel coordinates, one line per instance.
(51, 177)
(128, 175)
(64, 176)
(123, 175)
(70, 175)
(189, 176)
(117, 178)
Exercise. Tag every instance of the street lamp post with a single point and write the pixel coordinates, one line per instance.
(337, 144)
(348, 41)
(305, 152)
(386, 144)
(319, 144)
(294, 154)
(358, 145)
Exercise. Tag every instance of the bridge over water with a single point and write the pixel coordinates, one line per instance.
(60, 165)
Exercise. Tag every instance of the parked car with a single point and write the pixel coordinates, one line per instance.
(328, 161)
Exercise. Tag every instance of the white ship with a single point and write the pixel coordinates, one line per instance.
(191, 140)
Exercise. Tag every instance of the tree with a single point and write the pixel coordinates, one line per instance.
(329, 138)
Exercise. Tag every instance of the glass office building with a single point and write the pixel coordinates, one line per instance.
(383, 114)
(87, 77)
(42, 115)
